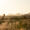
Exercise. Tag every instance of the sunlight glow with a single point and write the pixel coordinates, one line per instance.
(14, 6)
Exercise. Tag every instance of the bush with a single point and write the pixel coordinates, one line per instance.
(24, 25)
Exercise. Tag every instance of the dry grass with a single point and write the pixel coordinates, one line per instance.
(13, 25)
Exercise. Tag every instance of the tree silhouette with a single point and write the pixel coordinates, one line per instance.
(2, 19)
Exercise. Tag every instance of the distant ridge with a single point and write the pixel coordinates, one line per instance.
(25, 16)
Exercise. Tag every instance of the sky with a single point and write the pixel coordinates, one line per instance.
(14, 6)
